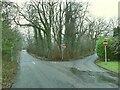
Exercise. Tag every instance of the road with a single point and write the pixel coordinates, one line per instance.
(83, 73)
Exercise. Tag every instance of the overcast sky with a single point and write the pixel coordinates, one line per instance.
(104, 8)
(98, 8)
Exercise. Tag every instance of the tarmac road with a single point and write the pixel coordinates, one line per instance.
(83, 73)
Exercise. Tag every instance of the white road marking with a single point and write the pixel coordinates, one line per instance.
(33, 62)
(24, 50)
(53, 62)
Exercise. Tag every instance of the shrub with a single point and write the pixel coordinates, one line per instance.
(55, 54)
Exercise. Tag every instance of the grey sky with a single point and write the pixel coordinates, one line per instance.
(98, 8)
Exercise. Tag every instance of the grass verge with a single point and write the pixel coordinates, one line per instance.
(9, 71)
(111, 66)
(0, 75)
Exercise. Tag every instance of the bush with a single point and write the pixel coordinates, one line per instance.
(110, 48)
(55, 54)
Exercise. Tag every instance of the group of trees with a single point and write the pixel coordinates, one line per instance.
(10, 35)
(11, 44)
(117, 42)
(57, 23)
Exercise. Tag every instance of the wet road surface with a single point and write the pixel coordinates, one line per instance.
(83, 73)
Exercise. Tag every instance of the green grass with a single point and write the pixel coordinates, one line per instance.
(112, 66)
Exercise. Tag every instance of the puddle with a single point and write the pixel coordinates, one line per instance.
(107, 79)
(94, 77)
